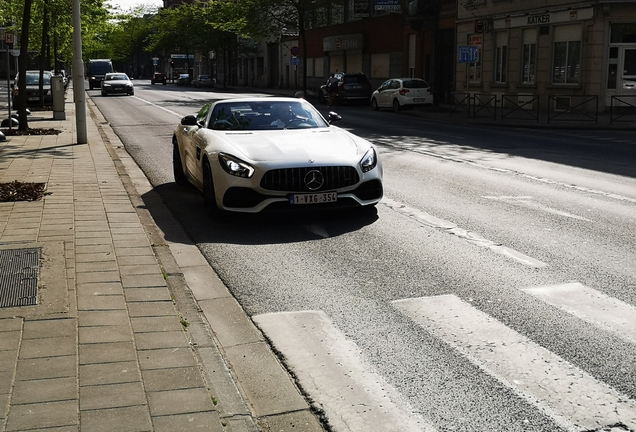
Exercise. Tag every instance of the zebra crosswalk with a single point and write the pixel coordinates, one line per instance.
(335, 375)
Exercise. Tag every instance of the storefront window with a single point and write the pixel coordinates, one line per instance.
(623, 33)
(529, 56)
(566, 55)
(501, 58)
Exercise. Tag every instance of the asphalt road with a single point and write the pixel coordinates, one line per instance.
(492, 289)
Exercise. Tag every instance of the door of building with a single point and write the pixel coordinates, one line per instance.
(626, 85)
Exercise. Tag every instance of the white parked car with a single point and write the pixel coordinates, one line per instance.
(251, 154)
(397, 93)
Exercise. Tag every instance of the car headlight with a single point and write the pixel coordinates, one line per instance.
(106, 84)
(235, 166)
(369, 161)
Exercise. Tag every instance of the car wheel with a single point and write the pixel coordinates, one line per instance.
(374, 104)
(177, 166)
(396, 105)
(209, 197)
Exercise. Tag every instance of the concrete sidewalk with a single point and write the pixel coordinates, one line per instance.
(130, 332)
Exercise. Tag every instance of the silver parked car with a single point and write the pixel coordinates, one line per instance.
(398, 93)
(254, 154)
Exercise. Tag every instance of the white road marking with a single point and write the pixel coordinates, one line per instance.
(528, 202)
(451, 228)
(591, 306)
(331, 370)
(570, 396)
(160, 107)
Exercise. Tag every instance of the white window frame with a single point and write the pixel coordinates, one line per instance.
(501, 58)
(528, 56)
(568, 38)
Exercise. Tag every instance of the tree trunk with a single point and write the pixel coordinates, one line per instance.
(23, 62)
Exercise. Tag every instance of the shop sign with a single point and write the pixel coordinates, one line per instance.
(389, 5)
(544, 18)
(342, 42)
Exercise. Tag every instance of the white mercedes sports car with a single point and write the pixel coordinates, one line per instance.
(252, 154)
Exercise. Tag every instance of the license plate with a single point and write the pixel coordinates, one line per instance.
(315, 198)
(418, 100)
(33, 98)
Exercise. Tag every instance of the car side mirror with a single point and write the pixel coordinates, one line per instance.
(333, 117)
(189, 120)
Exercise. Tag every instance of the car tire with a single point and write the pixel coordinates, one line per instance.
(209, 197)
(177, 165)
(374, 105)
(396, 105)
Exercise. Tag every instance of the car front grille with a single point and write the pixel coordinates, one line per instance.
(295, 179)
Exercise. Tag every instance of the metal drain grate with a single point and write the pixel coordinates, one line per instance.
(19, 269)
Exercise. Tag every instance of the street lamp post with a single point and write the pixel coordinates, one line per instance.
(79, 92)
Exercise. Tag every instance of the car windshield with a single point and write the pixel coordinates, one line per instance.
(34, 79)
(415, 84)
(119, 77)
(184, 76)
(265, 115)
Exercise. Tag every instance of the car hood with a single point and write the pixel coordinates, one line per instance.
(325, 145)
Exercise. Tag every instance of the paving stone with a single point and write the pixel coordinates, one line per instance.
(166, 358)
(10, 324)
(49, 328)
(151, 309)
(47, 390)
(129, 251)
(48, 347)
(100, 302)
(42, 415)
(156, 324)
(116, 333)
(136, 260)
(6, 381)
(201, 421)
(101, 266)
(179, 401)
(112, 396)
(142, 269)
(127, 419)
(48, 367)
(147, 294)
(101, 276)
(10, 340)
(97, 289)
(93, 318)
(138, 281)
(107, 352)
(8, 359)
(172, 379)
(156, 340)
(108, 373)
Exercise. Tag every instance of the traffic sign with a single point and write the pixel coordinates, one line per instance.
(9, 38)
(467, 54)
(295, 61)
(295, 51)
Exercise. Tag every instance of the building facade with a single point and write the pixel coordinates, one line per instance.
(557, 54)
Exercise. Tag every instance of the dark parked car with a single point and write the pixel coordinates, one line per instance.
(158, 78)
(117, 83)
(184, 79)
(203, 81)
(352, 87)
(33, 88)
